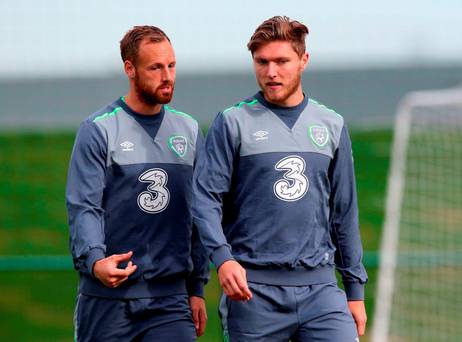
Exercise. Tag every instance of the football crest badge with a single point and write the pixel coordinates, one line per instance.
(178, 144)
(319, 135)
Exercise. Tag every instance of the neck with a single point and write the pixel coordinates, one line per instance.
(134, 102)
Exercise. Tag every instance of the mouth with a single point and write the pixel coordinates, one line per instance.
(273, 85)
(165, 88)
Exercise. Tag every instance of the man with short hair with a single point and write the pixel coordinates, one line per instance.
(141, 265)
(275, 205)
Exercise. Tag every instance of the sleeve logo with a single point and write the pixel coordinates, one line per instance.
(157, 196)
(294, 184)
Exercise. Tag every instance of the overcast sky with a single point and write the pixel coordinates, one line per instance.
(80, 38)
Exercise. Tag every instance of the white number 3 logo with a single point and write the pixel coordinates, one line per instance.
(295, 184)
(157, 197)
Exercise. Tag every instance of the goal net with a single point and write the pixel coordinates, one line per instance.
(419, 295)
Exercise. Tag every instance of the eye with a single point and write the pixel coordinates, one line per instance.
(172, 65)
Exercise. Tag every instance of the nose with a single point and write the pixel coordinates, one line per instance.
(167, 75)
(271, 71)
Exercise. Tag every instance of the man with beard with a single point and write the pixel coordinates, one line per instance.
(142, 268)
(275, 205)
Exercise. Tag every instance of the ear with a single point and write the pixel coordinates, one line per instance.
(130, 69)
(304, 61)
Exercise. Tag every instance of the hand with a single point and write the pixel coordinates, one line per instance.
(199, 314)
(233, 280)
(358, 311)
(107, 272)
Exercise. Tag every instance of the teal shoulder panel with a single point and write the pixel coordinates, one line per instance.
(324, 107)
(177, 112)
(129, 143)
(107, 114)
(249, 103)
(260, 130)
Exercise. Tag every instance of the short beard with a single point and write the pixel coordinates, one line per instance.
(291, 89)
(152, 98)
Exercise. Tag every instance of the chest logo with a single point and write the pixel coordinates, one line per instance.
(319, 135)
(261, 135)
(294, 183)
(127, 146)
(157, 196)
(178, 144)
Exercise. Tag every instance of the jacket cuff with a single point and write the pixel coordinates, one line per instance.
(195, 287)
(354, 291)
(220, 255)
(93, 256)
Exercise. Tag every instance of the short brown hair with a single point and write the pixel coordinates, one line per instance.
(279, 28)
(130, 43)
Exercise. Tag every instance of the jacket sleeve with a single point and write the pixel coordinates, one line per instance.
(84, 193)
(344, 220)
(200, 274)
(212, 180)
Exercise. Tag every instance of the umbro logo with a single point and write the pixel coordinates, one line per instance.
(261, 135)
(127, 146)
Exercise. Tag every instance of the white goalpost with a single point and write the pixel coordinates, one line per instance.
(419, 294)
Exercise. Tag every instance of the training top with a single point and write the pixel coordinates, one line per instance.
(129, 188)
(279, 196)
